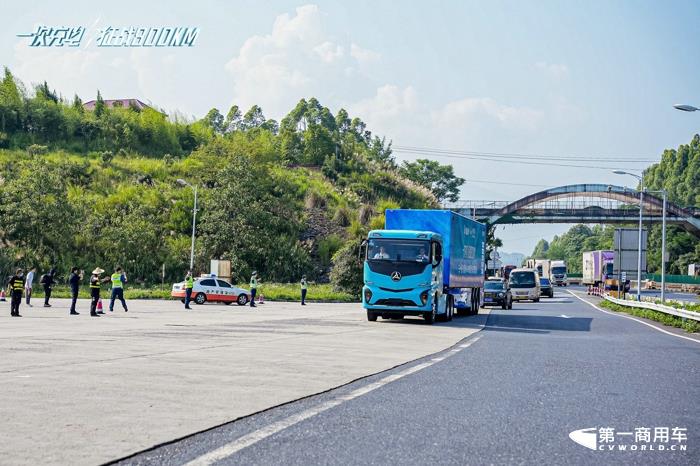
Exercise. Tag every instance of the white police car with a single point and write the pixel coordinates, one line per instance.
(210, 288)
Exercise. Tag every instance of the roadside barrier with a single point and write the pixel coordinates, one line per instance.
(656, 307)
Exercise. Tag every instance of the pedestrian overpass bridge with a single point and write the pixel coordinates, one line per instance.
(580, 203)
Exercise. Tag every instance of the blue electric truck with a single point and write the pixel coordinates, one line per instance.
(420, 262)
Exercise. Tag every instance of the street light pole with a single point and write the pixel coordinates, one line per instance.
(639, 244)
(182, 182)
(663, 249)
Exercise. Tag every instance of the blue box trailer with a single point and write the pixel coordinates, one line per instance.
(421, 262)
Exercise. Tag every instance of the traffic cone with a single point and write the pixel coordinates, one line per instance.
(261, 299)
(99, 306)
(2, 295)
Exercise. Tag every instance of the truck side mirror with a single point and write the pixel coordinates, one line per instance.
(362, 251)
(437, 254)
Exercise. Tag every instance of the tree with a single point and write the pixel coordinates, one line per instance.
(99, 105)
(253, 118)
(440, 179)
(541, 248)
(214, 120)
(233, 120)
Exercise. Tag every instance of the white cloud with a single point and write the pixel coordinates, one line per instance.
(480, 110)
(555, 70)
(363, 56)
(297, 59)
(329, 52)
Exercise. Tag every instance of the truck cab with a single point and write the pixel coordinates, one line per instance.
(403, 275)
(558, 273)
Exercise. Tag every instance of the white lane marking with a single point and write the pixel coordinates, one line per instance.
(564, 316)
(247, 440)
(635, 319)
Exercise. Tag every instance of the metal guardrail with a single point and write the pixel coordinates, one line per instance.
(656, 307)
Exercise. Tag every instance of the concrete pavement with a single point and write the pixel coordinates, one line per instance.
(511, 394)
(82, 390)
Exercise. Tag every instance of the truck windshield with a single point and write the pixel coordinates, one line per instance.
(559, 270)
(493, 285)
(522, 279)
(398, 250)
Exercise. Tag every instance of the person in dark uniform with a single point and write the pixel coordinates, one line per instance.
(16, 286)
(95, 285)
(253, 288)
(304, 286)
(74, 281)
(189, 283)
(48, 280)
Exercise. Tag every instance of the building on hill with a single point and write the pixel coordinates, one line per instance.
(90, 105)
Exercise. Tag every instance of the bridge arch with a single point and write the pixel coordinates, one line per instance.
(533, 208)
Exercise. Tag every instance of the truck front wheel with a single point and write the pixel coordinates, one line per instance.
(371, 316)
(430, 315)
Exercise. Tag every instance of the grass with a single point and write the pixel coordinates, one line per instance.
(680, 305)
(292, 292)
(271, 291)
(688, 325)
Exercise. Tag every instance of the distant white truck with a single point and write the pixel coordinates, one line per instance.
(558, 272)
(597, 267)
(543, 267)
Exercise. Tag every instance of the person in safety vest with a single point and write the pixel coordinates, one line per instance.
(253, 288)
(189, 283)
(16, 285)
(95, 284)
(304, 285)
(118, 279)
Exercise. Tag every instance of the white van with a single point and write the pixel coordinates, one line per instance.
(524, 285)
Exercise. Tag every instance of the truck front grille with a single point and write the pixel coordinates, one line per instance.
(395, 302)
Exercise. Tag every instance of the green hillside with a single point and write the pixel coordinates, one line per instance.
(98, 188)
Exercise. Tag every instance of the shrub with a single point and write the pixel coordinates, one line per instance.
(327, 247)
(342, 216)
(36, 149)
(365, 214)
(314, 200)
(346, 274)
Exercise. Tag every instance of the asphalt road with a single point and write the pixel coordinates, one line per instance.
(511, 393)
(689, 297)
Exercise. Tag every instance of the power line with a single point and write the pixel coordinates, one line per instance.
(521, 161)
(469, 180)
(512, 155)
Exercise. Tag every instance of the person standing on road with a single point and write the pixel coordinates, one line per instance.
(95, 285)
(48, 280)
(253, 288)
(189, 283)
(74, 282)
(28, 284)
(118, 279)
(304, 285)
(16, 286)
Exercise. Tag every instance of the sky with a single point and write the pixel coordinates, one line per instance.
(586, 80)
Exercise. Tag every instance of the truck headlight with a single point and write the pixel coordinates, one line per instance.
(500, 295)
(368, 295)
(424, 297)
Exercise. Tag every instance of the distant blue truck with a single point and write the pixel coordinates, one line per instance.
(422, 263)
